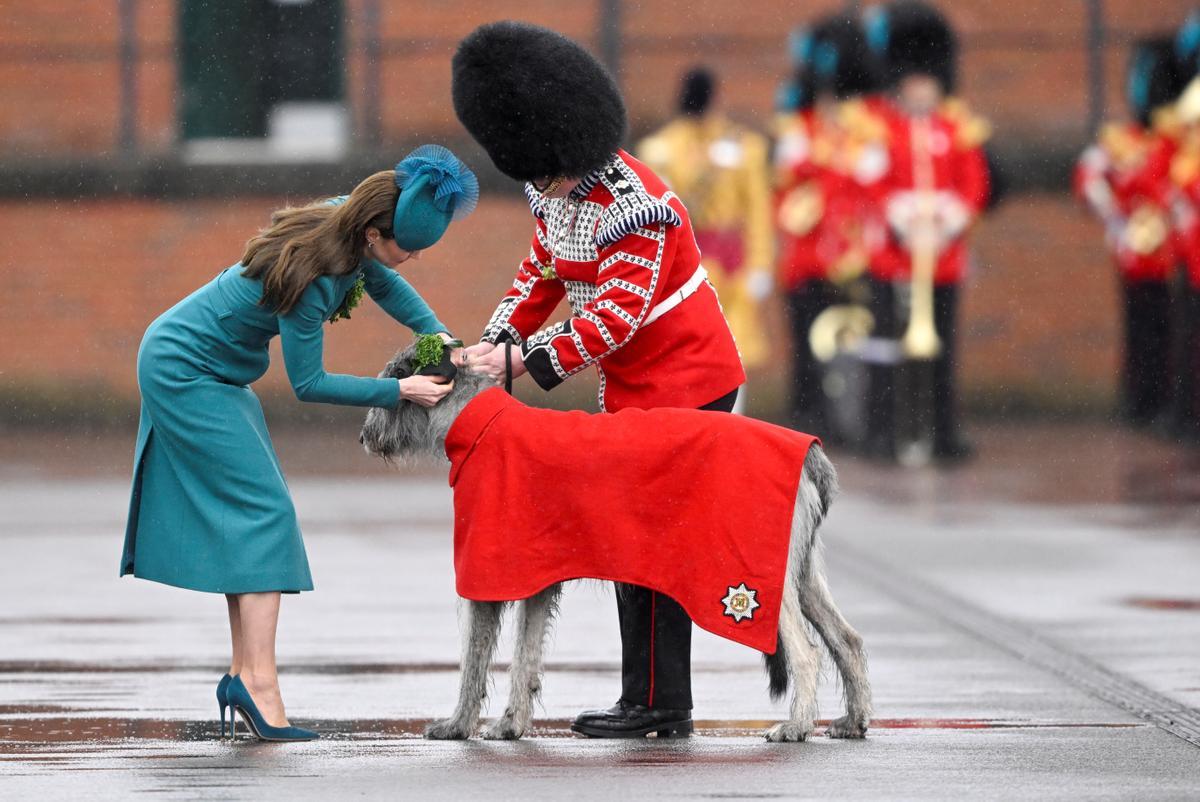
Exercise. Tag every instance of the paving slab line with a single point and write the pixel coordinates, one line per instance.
(1021, 641)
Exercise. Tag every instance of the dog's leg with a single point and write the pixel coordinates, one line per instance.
(479, 644)
(534, 621)
(803, 664)
(845, 645)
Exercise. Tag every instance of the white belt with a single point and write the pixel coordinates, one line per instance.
(679, 296)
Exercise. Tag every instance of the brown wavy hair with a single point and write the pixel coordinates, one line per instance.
(306, 242)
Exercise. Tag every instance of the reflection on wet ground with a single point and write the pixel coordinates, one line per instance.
(1083, 535)
(1191, 605)
(20, 735)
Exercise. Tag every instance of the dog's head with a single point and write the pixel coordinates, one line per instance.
(411, 430)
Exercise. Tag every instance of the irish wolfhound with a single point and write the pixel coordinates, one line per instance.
(414, 431)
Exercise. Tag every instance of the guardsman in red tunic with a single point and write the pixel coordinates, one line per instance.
(1185, 177)
(1124, 179)
(831, 153)
(617, 243)
(937, 186)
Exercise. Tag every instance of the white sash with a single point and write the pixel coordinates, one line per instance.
(679, 296)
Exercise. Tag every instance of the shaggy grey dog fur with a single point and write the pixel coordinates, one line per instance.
(411, 431)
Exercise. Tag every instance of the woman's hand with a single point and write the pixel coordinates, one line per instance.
(492, 362)
(424, 390)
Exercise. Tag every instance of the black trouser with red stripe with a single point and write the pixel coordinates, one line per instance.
(1187, 381)
(890, 324)
(805, 302)
(1145, 374)
(656, 637)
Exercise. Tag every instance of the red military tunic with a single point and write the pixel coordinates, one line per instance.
(1124, 179)
(941, 153)
(1185, 176)
(827, 174)
(696, 505)
(621, 249)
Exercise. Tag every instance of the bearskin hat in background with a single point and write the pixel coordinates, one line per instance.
(910, 37)
(796, 93)
(1155, 77)
(841, 62)
(1187, 45)
(696, 91)
(538, 103)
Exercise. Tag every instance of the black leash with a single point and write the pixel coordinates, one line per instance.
(508, 367)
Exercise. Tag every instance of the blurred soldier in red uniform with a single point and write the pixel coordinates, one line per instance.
(936, 187)
(1124, 179)
(831, 153)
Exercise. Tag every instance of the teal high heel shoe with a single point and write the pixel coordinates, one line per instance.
(240, 702)
(223, 701)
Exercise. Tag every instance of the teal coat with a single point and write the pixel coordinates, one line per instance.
(210, 509)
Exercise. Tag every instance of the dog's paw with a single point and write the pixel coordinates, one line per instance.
(848, 727)
(448, 729)
(504, 729)
(789, 732)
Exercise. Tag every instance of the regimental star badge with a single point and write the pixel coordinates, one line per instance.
(740, 602)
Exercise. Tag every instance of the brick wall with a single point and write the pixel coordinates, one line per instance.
(1024, 62)
(86, 276)
(84, 279)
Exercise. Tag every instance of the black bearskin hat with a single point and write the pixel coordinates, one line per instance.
(538, 103)
(696, 92)
(841, 62)
(1155, 77)
(911, 37)
(796, 93)
(1187, 44)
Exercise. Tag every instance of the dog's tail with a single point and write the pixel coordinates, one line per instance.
(777, 672)
(818, 487)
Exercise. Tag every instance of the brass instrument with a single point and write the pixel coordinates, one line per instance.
(920, 343)
(1146, 230)
(921, 339)
(839, 329)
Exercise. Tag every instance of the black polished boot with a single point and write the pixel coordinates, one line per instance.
(624, 720)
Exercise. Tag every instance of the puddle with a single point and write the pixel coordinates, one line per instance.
(17, 735)
(1148, 603)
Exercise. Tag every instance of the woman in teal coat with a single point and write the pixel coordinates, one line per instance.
(210, 508)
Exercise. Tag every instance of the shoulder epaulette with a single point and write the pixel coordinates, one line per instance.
(632, 206)
(535, 201)
(970, 129)
(862, 122)
(1123, 143)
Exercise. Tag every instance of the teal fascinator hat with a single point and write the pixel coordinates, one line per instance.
(435, 189)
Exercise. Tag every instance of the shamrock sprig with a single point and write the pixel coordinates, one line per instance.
(353, 296)
(430, 350)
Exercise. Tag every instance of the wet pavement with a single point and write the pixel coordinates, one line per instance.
(1032, 622)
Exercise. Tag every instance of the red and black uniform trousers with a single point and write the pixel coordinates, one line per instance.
(656, 637)
(890, 304)
(1146, 359)
(806, 300)
(1186, 390)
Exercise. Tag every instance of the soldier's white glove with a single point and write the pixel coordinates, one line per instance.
(942, 217)
(760, 284)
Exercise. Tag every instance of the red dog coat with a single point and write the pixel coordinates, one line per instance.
(696, 505)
